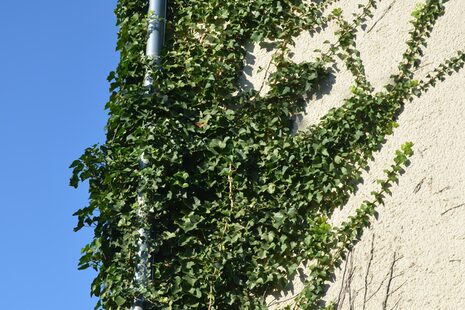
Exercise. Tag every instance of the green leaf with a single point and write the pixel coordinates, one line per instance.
(120, 301)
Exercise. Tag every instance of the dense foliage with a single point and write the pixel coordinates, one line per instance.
(236, 200)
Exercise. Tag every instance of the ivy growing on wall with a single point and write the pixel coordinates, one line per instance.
(236, 200)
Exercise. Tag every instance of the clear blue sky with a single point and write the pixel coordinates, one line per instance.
(55, 56)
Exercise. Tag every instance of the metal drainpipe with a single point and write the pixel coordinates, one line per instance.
(156, 32)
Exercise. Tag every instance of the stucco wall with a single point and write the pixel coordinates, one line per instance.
(413, 256)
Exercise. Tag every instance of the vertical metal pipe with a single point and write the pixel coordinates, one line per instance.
(156, 33)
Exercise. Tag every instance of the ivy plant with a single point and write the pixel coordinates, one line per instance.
(236, 200)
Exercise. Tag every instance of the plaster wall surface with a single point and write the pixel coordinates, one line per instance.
(413, 256)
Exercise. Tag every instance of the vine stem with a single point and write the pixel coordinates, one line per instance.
(211, 297)
(231, 196)
(230, 181)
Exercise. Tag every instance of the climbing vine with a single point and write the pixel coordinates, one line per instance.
(236, 200)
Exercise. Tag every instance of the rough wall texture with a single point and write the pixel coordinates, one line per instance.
(413, 256)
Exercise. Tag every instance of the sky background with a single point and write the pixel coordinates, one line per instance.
(55, 56)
